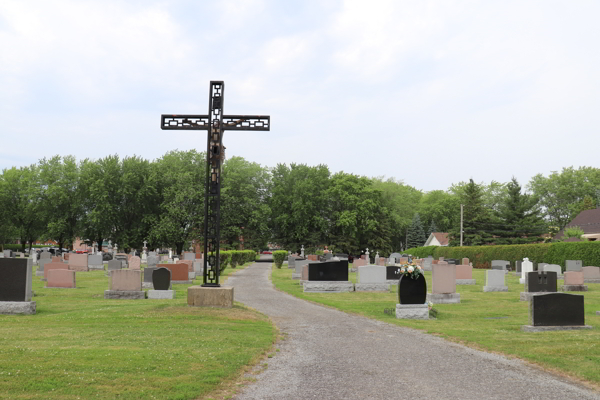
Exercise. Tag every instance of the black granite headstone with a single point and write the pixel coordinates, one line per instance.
(341, 255)
(392, 272)
(161, 279)
(15, 279)
(148, 274)
(328, 271)
(451, 261)
(557, 309)
(544, 281)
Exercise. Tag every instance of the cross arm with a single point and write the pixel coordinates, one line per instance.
(246, 122)
(186, 122)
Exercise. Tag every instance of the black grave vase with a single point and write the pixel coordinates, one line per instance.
(412, 291)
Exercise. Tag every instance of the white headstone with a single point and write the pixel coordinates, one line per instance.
(526, 266)
(553, 267)
(302, 251)
(372, 274)
(367, 255)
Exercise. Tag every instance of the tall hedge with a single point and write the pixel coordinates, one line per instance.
(551, 253)
(279, 256)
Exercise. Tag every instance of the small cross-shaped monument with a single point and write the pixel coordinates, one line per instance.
(215, 123)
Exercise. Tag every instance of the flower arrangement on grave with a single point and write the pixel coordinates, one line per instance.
(411, 270)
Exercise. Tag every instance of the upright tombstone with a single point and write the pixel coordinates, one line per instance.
(427, 263)
(189, 256)
(61, 278)
(15, 286)
(392, 274)
(78, 262)
(326, 277)
(57, 259)
(372, 278)
(152, 261)
(8, 253)
(443, 286)
(95, 262)
(518, 267)
(135, 262)
(412, 293)
(298, 265)
(591, 274)
(291, 262)
(526, 267)
(501, 265)
(464, 275)
(377, 258)
(396, 257)
(494, 281)
(574, 282)
(123, 258)
(33, 257)
(52, 266)
(161, 281)
(41, 264)
(179, 273)
(152, 253)
(125, 284)
(147, 279)
(574, 265)
(556, 311)
(45, 255)
(538, 282)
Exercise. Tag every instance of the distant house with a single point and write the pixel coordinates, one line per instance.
(588, 221)
(437, 239)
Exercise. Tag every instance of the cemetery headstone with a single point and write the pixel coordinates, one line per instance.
(591, 274)
(61, 278)
(331, 276)
(540, 266)
(574, 265)
(526, 267)
(298, 265)
(78, 262)
(114, 265)
(95, 261)
(412, 293)
(494, 281)
(501, 265)
(465, 261)
(538, 282)
(518, 268)
(51, 266)
(556, 311)
(464, 275)
(392, 273)
(574, 282)
(179, 273)
(15, 286)
(291, 262)
(135, 262)
(57, 259)
(152, 261)
(396, 257)
(152, 253)
(189, 256)
(427, 263)
(45, 255)
(41, 264)
(377, 258)
(125, 284)
(443, 286)
(553, 268)
(161, 280)
(147, 282)
(372, 278)
(8, 253)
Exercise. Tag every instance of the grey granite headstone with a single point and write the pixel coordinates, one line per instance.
(189, 256)
(500, 264)
(151, 261)
(114, 265)
(574, 265)
(148, 274)
(45, 254)
(43, 262)
(553, 268)
(8, 253)
(95, 261)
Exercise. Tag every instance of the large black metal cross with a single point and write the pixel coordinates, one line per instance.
(215, 123)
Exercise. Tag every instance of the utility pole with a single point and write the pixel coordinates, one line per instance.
(461, 225)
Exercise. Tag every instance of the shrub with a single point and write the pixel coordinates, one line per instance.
(279, 256)
(236, 258)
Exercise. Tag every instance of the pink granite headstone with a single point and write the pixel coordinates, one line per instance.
(126, 280)
(57, 259)
(359, 262)
(434, 262)
(382, 261)
(189, 263)
(591, 272)
(571, 277)
(464, 272)
(305, 273)
(465, 261)
(135, 262)
(78, 262)
(60, 278)
(66, 256)
(53, 265)
(443, 278)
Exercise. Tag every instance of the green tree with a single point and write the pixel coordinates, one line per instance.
(244, 209)
(573, 232)
(432, 228)
(415, 235)
(476, 217)
(440, 207)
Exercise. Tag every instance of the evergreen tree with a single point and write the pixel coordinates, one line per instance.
(476, 218)
(519, 217)
(432, 228)
(416, 234)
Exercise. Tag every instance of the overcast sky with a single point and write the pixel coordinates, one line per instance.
(429, 92)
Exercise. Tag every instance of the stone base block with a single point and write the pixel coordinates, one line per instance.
(443, 298)
(574, 288)
(392, 282)
(328, 286)
(124, 294)
(161, 294)
(591, 281)
(372, 287)
(531, 328)
(182, 282)
(412, 311)
(465, 281)
(17, 307)
(522, 281)
(191, 275)
(149, 285)
(199, 296)
(296, 276)
(291, 267)
(495, 288)
(526, 296)
(96, 267)
(39, 273)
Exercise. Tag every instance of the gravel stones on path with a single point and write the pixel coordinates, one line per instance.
(329, 354)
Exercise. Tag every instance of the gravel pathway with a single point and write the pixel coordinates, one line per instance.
(329, 354)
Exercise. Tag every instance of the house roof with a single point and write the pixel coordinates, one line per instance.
(442, 237)
(587, 220)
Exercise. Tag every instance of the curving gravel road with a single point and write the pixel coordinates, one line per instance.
(329, 354)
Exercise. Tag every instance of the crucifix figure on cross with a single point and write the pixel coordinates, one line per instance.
(215, 123)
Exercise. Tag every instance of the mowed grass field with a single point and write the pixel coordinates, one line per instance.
(487, 321)
(80, 346)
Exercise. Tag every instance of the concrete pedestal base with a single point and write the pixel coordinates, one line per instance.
(96, 267)
(465, 281)
(161, 294)
(392, 282)
(574, 288)
(412, 311)
(495, 288)
(531, 328)
(199, 296)
(191, 275)
(372, 287)
(296, 276)
(17, 307)
(522, 281)
(124, 294)
(445, 298)
(182, 282)
(591, 281)
(328, 286)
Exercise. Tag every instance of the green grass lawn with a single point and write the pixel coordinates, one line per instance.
(80, 346)
(488, 321)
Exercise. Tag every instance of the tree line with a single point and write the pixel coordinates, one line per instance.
(129, 200)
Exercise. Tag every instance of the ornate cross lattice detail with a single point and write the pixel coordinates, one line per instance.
(215, 123)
